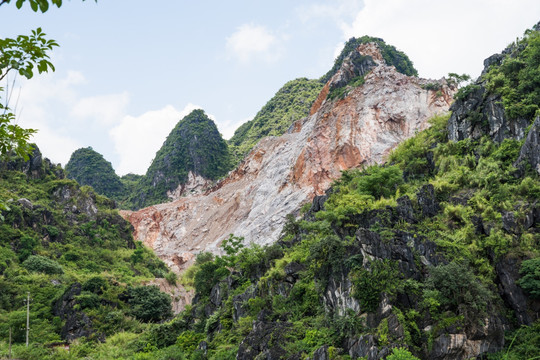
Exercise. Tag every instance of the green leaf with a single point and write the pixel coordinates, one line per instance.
(34, 5)
(19, 3)
(44, 5)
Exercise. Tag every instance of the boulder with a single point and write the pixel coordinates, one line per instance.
(77, 323)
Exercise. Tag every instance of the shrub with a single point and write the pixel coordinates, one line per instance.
(149, 304)
(95, 284)
(401, 354)
(189, 340)
(459, 290)
(383, 277)
(42, 264)
(171, 278)
(530, 277)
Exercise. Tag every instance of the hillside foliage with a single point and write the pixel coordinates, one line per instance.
(88, 167)
(292, 102)
(74, 254)
(390, 54)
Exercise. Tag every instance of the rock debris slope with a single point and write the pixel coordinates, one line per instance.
(280, 174)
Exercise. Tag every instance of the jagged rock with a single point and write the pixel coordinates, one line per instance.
(338, 296)
(478, 224)
(530, 151)
(75, 202)
(77, 323)
(25, 203)
(354, 65)
(513, 296)
(482, 113)
(427, 201)
(459, 346)
(509, 222)
(405, 210)
(240, 308)
(195, 184)
(363, 347)
(321, 353)
(293, 269)
(264, 341)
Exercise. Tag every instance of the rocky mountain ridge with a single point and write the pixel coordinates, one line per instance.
(282, 173)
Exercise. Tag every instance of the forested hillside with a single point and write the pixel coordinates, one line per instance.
(194, 145)
(433, 255)
(292, 102)
(88, 167)
(68, 248)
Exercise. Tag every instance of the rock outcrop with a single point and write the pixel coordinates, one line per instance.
(530, 151)
(282, 173)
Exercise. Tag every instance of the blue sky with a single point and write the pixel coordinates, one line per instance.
(128, 70)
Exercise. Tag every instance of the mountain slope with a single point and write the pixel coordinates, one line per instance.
(290, 103)
(75, 255)
(194, 147)
(432, 255)
(282, 173)
(88, 167)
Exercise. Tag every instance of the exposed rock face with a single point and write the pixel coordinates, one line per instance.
(282, 173)
(195, 184)
(481, 113)
(530, 151)
(77, 323)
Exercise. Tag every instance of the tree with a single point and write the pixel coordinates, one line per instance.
(22, 54)
(41, 5)
(455, 80)
(148, 304)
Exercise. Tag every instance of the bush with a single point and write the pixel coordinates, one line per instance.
(95, 284)
(42, 264)
(189, 340)
(383, 277)
(149, 304)
(171, 278)
(458, 289)
(401, 354)
(530, 277)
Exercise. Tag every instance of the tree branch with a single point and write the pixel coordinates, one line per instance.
(4, 2)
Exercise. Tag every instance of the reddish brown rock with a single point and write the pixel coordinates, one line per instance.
(282, 173)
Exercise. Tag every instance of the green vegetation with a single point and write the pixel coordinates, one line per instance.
(57, 239)
(530, 280)
(292, 102)
(88, 167)
(390, 54)
(195, 145)
(517, 78)
(400, 254)
(341, 92)
(471, 180)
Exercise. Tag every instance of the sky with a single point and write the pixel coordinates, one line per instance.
(128, 70)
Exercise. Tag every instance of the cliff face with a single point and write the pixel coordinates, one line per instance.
(280, 174)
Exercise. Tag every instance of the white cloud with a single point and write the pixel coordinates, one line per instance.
(137, 139)
(53, 144)
(103, 109)
(252, 41)
(442, 37)
(338, 11)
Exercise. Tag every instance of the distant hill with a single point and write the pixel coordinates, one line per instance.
(88, 167)
(194, 145)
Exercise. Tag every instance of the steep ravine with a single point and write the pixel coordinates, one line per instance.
(282, 173)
